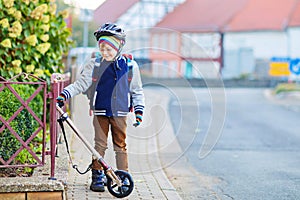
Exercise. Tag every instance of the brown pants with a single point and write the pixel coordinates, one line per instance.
(118, 128)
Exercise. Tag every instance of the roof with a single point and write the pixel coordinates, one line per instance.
(232, 15)
(201, 15)
(263, 15)
(295, 18)
(111, 10)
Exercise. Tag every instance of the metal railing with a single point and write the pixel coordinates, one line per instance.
(6, 122)
(58, 82)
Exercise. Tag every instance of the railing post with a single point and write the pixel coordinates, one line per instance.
(58, 82)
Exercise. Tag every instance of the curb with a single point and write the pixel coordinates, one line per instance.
(39, 183)
(290, 100)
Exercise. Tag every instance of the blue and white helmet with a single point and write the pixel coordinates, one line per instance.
(110, 29)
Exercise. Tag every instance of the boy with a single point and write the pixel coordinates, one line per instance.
(112, 94)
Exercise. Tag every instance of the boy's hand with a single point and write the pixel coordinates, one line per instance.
(60, 101)
(138, 119)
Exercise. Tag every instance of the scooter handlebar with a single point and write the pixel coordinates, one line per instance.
(59, 109)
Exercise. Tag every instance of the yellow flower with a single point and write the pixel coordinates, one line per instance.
(18, 15)
(17, 70)
(31, 40)
(4, 23)
(38, 72)
(11, 11)
(29, 68)
(44, 37)
(47, 72)
(26, 2)
(52, 9)
(35, 1)
(12, 35)
(64, 13)
(38, 12)
(16, 29)
(45, 27)
(6, 43)
(45, 19)
(8, 3)
(16, 63)
(43, 48)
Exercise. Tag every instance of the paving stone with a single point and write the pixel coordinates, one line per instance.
(12, 196)
(44, 196)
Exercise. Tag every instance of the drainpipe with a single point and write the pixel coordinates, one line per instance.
(221, 45)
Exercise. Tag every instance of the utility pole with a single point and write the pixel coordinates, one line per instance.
(86, 16)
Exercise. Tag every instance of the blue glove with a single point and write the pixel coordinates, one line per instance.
(138, 119)
(60, 100)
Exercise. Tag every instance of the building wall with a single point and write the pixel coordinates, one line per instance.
(261, 47)
(264, 44)
(238, 62)
(294, 42)
(190, 55)
(139, 19)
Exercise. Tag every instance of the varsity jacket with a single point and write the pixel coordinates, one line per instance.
(113, 93)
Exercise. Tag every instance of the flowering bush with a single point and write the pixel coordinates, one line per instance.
(33, 38)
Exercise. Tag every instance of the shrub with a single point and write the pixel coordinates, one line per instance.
(287, 87)
(33, 38)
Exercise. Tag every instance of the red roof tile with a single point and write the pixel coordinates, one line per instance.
(262, 15)
(111, 10)
(201, 15)
(232, 15)
(295, 18)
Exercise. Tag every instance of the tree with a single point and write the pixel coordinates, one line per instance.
(33, 38)
(77, 32)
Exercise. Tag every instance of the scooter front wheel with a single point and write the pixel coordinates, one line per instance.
(125, 189)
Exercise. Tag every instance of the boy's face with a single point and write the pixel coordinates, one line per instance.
(107, 52)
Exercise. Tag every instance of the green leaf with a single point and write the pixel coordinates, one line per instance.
(27, 32)
(58, 38)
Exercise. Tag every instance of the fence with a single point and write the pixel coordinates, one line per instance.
(13, 125)
(58, 82)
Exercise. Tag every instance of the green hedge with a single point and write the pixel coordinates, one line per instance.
(287, 87)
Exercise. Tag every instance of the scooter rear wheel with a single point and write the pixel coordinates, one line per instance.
(125, 189)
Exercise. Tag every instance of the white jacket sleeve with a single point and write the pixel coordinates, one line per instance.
(82, 83)
(136, 89)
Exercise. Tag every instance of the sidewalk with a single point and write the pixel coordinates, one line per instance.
(148, 156)
(150, 179)
(156, 162)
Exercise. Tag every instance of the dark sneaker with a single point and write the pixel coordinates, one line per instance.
(97, 184)
(104, 180)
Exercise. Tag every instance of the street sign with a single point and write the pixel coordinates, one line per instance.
(295, 66)
(279, 66)
(280, 59)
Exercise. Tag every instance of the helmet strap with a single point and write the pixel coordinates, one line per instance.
(120, 50)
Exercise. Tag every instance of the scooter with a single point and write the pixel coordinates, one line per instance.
(119, 183)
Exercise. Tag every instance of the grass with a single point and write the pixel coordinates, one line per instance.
(287, 87)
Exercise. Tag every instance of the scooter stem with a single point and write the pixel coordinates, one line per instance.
(81, 137)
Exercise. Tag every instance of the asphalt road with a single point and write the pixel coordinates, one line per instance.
(238, 136)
